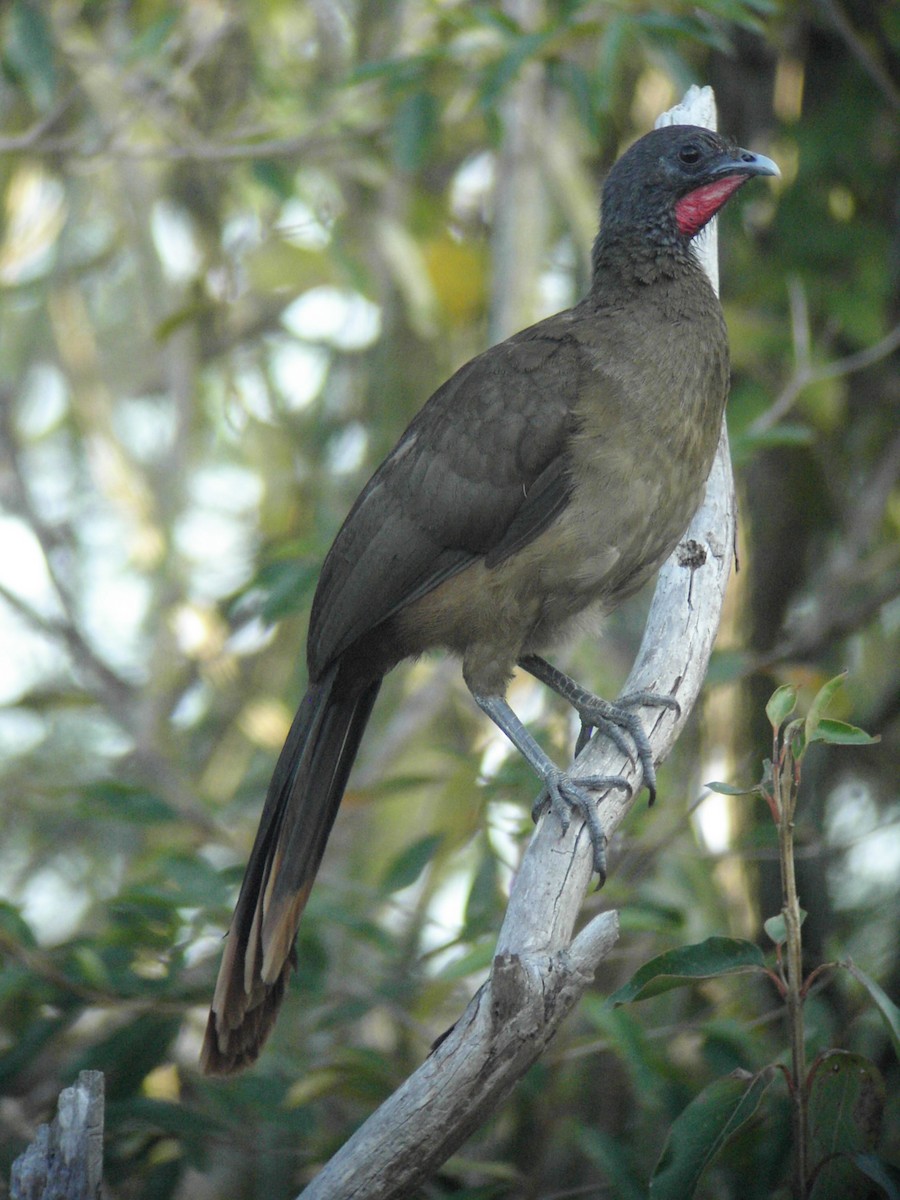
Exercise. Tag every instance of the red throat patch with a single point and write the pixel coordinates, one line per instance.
(696, 208)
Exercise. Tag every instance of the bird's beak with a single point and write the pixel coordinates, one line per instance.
(745, 162)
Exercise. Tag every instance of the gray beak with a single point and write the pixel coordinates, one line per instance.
(745, 162)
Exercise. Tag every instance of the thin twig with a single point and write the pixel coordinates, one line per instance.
(116, 692)
(305, 147)
(831, 623)
(35, 135)
(806, 375)
(857, 45)
(784, 788)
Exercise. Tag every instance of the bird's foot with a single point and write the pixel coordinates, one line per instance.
(566, 795)
(615, 720)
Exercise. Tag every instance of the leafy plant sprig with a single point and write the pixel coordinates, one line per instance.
(837, 1102)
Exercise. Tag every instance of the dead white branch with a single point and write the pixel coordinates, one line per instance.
(65, 1160)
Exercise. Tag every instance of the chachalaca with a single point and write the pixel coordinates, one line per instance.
(549, 476)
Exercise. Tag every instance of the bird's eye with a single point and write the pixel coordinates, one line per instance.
(689, 154)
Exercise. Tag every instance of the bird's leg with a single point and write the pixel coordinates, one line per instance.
(610, 719)
(565, 793)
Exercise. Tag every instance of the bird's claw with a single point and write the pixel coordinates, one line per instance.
(610, 729)
(566, 794)
(649, 700)
(615, 720)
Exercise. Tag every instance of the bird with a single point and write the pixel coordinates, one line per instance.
(548, 478)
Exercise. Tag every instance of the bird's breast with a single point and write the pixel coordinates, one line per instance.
(647, 430)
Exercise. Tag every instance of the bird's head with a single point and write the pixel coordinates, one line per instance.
(672, 181)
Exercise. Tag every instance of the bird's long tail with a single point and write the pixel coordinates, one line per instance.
(302, 802)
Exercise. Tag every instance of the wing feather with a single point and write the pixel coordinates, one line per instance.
(480, 471)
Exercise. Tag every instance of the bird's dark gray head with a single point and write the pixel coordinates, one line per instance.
(671, 182)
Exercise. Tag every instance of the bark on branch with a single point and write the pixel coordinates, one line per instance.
(65, 1160)
(539, 972)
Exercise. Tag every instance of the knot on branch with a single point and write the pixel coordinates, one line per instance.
(691, 554)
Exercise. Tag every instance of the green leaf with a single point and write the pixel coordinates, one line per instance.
(882, 1173)
(274, 176)
(14, 929)
(288, 585)
(414, 131)
(607, 1152)
(400, 71)
(676, 968)
(176, 1119)
(410, 863)
(727, 666)
(782, 434)
(92, 970)
(846, 1101)
(482, 904)
(616, 45)
(665, 28)
(889, 1011)
(31, 50)
(522, 48)
(108, 800)
(795, 738)
(776, 930)
(130, 1053)
(570, 77)
(781, 704)
(33, 1044)
(846, 1106)
(839, 733)
(731, 789)
(820, 703)
(476, 959)
(152, 40)
(700, 1132)
(193, 312)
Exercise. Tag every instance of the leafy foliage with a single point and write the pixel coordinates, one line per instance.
(838, 1105)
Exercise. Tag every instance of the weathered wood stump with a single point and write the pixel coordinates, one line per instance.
(65, 1160)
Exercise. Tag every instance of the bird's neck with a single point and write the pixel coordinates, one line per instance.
(665, 285)
(632, 257)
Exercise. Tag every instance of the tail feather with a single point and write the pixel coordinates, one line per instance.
(301, 805)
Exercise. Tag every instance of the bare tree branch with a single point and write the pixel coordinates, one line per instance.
(539, 972)
(108, 146)
(518, 239)
(112, 689)
(856, 580)
(830, 623)
(867, 60)
(806, 373)
(66, 1157)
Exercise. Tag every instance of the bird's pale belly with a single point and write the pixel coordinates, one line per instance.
(491, 616)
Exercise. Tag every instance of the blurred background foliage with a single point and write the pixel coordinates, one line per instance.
(239, 246)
